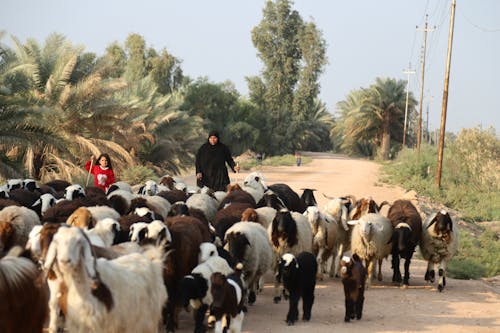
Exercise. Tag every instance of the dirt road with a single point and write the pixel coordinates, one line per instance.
(464, 306)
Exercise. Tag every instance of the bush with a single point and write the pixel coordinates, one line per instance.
(282, 160)
(465, 269)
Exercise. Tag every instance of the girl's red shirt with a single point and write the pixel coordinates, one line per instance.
(103, 178)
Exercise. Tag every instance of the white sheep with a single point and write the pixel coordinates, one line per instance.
(439, 243)
(248, 244)
(100, 292)
(158, 204)
(325, 236)
(204, 202)
(16, 223)
(255, 185)
(106, 230)
(74, 191)
(371, 240)
(153, 232)
(289, 232)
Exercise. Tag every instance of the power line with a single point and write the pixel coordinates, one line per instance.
(477, 26)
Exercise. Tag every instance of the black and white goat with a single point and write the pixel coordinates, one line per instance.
(228, 307)
(299, 279)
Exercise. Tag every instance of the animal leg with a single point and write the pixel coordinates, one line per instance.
(293, 311)
(406, 280)
(442, 276)
(379, 275)
(396, 276)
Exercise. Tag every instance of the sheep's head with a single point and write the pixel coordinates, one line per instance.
(158, 231)
(443, 225)
(13, 184)
(138, 232)
(255, 180)
(345, 267)
(287, 264)
(314, 217)
(218, 289)
(233, 187)
(271, 199)
(237, 244)
(250, 215)
(150, 188)
(284, 227)
(74, 192)
(168, 181)
(81, 218)
(207, 250)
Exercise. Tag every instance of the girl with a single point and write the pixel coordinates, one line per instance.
(102, 171)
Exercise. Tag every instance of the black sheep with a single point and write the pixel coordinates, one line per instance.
(299, 279)
(353, 275)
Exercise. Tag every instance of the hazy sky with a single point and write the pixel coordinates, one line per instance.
(366, 39)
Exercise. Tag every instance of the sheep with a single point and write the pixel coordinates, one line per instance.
(160, 206)
(204, 202)
(195, 287)
(13, 184)
(299, 280)
(407, 225)
(122, 186)
(174, 196)
(62, 210)
(371, 240)
(149, 188)
(150, 233)
(187, 235)
(364, 206)
(439, 243)
(73, 192)
(22, 292)
(248, 244)
(226, 217)
(228, 301)
(100, 292)
(255, 185)
(262, 215)
(87, 217)
(353, 275)
(16, 223)
(106, 230)
(208, 250)
(288, 196)
(289, 232)
(25, 197)
(120, 200)
(308, 198)
(236, 194)
(45, 201)
(58, 185)
(325, 236)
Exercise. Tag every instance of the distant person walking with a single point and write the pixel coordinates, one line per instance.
(298, 158)
(211, 159)
(102, 171)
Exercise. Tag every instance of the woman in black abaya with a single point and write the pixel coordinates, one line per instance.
(211, 159)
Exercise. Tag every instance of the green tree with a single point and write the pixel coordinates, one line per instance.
(373, 118)
(293, 54)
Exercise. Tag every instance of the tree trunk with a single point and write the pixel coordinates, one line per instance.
(385, 146)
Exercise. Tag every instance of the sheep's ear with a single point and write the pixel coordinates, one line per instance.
(140, 190)
(352, 222)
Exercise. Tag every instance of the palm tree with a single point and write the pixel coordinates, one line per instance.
(376, 114)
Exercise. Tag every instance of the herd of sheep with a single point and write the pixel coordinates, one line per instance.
(131, 259)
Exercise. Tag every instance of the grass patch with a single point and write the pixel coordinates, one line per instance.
(138, 174)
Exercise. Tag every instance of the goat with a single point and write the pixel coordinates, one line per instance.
(228, 296)
(353, 275)
(100, 292)
(299, 279)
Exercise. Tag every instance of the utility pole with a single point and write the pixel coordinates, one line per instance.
(445, 96)
(425, 30)
(407, 71)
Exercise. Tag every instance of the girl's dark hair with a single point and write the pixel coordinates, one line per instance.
(110, 166)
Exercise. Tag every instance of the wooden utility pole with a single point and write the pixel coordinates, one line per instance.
(425, 30)
(445, 96)
(408, 71)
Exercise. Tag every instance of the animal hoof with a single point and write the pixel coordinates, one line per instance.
(289, 322)
(347, 319)
(251, 297)
(440, 288)
(404, 286)
(277, 299)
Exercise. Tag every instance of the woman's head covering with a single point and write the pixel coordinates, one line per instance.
(213, 133)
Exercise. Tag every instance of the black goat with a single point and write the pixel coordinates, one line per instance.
(353, 275)
(299, 279)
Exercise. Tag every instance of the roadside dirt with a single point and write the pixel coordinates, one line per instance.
(464, 306)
